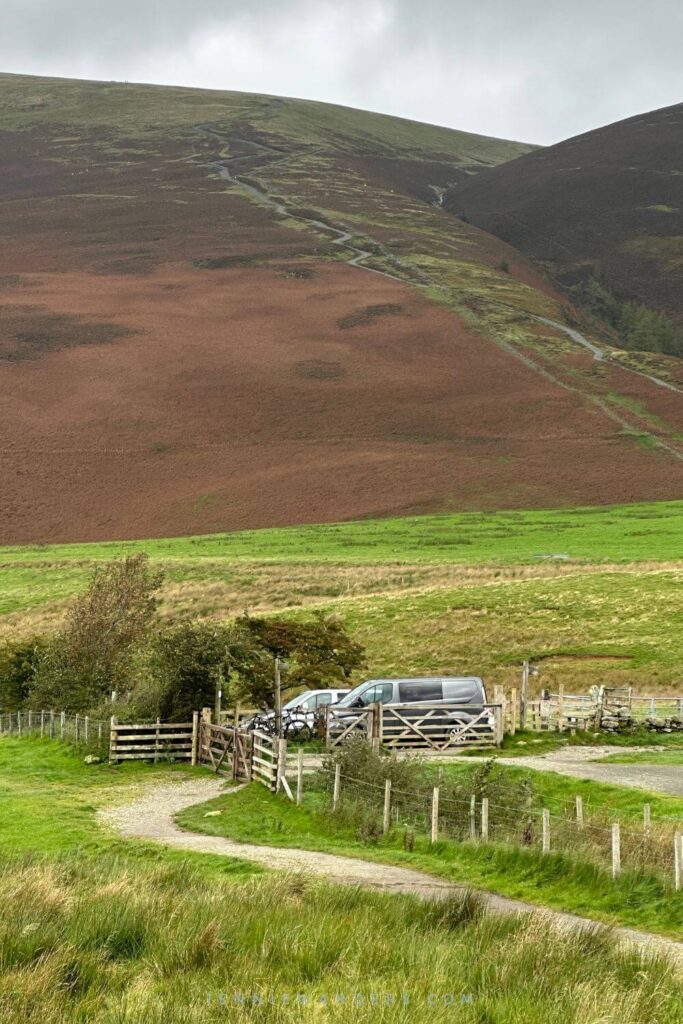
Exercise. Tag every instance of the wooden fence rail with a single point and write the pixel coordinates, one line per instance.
(151, 741)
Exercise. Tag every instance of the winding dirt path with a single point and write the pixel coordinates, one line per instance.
(342, 236)
(152, 817)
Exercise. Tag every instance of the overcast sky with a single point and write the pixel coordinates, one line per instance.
(537, 70)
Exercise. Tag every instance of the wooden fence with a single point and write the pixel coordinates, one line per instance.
(153, 741)
(81, 730)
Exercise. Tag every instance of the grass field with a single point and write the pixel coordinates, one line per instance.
(619, 533)
(97, 929)
(592, 595)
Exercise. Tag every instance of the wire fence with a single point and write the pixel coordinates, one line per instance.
(651, 847)
(78, 730)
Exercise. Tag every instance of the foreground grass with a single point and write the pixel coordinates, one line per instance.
(107, 931)
(559, 880)
(102, 943)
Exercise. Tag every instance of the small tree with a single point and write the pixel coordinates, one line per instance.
(93, 654)
(184, 664)
(320, 650)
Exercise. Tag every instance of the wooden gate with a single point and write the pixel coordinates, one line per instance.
(264, 759)
(440, 726)
(226, 749)
(343, 723)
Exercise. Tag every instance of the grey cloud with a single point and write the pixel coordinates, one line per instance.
(526, 69)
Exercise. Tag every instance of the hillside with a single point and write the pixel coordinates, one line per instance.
(606, 205)
(221, 311)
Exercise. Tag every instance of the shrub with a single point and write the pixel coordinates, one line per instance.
(183, 666)
(18, 660)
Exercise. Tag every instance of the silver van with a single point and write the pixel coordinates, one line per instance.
(467, 691)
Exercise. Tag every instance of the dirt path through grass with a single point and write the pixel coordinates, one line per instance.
(583, 763)
(151, 817)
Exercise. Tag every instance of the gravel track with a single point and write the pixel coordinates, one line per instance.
(151, 817)
(583, 763)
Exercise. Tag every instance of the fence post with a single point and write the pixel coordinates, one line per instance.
(546, 831)
(647, 815)
(678, 861)
(473, 819)
(523, 696)
(87, 726)
(62, 724)
(299, 775)
(112, 737)
(579, 811)
(19, 722)
(99, 732)
(513, 711)
(386, 819)
(499, 724)
(195, 734)
(560, 707)
(484, 819)
(42, 724)
(204, 729)
(30, 719)
(337, 787)
(616, 850)
(376, 724)
(52, 724)
(281, 763)
(435, 814)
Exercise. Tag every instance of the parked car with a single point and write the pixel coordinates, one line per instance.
(300, 715)
(468, 691)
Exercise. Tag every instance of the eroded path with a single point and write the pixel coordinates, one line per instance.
(151, 817)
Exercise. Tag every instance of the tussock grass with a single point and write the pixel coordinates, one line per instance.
(99, 942)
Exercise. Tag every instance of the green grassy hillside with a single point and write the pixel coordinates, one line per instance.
(593, 595)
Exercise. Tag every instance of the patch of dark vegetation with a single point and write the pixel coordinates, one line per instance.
(368, 314)
(225, 262)
(29, 332)
(319, 369)
(299, 273)
(15, 281)
(138, 264)
(638, 328)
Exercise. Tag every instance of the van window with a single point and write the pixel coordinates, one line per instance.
(420, 689)
(462, 691)
(324, 698)
(380, 693)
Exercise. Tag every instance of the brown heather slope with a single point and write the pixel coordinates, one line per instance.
(608, 203)
(177, 356)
